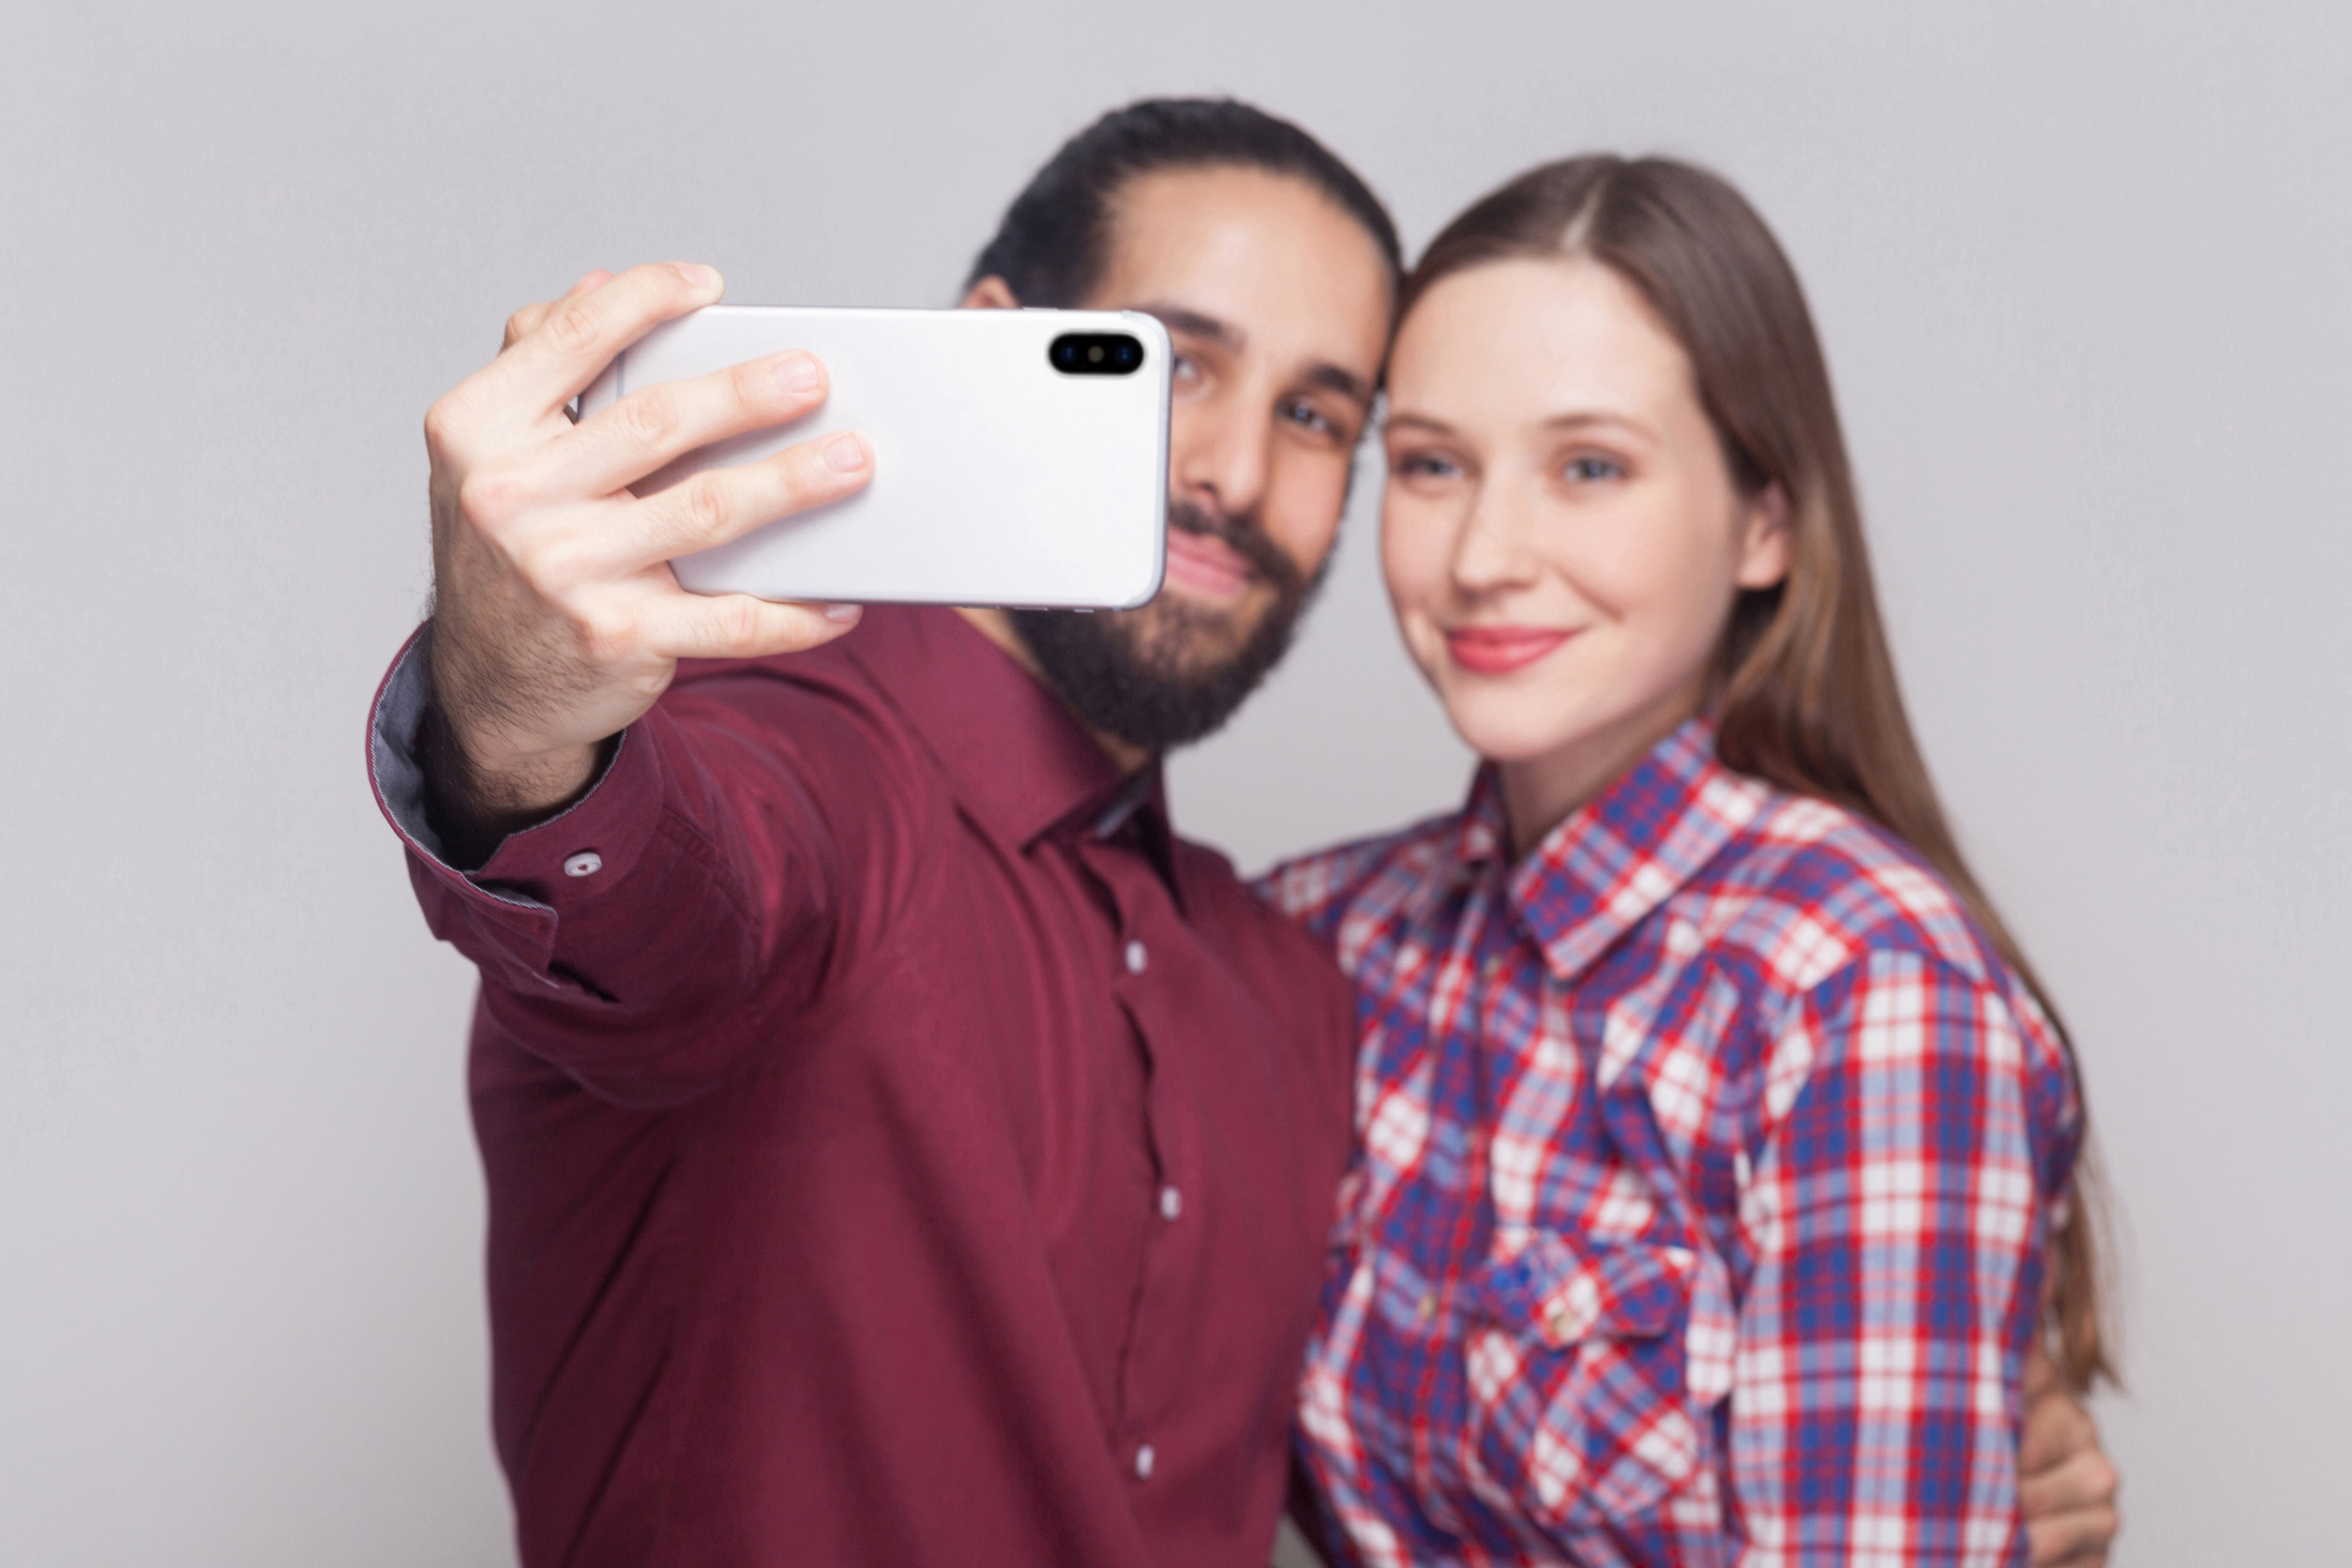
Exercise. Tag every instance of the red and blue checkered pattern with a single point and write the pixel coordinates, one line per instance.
(1707, 1156)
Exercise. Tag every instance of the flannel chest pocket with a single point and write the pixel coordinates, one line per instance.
(1575, 1356)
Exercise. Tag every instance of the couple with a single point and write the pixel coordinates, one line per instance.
(903, 1147)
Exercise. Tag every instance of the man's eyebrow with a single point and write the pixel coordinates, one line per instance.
(1194, 324)
(1225, 334)
(1332, 378)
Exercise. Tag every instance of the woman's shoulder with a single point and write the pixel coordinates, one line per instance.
(1822, 913)
(1809, 889)
(1373, 876)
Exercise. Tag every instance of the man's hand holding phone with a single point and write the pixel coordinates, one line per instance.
(557, 621)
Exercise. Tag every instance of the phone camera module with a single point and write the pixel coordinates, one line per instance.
(1096, 354)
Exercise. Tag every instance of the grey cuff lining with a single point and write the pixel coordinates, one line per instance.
(399, 776)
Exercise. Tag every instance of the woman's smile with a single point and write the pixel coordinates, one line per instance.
(1501, 650)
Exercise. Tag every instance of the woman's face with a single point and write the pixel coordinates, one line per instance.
(1562, 540)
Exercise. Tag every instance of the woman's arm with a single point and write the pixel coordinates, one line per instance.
(1895, 1226)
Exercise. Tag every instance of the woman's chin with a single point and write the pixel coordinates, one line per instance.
(1507, 734)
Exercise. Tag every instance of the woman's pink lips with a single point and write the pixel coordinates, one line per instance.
(1500, 650)
(1204, 567)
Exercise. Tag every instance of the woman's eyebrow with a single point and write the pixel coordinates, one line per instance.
(1582, 419)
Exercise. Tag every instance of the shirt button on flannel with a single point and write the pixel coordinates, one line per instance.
(1427, 1307)
(1171, 1203)
(1137, 955)
(1144, 1459)
(587, 863)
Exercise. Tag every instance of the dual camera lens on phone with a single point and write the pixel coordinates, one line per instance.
(1096, 354)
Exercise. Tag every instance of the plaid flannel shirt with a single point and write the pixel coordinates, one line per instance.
(1706, 1161)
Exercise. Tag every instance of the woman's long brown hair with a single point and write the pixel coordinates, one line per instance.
(1805, 696)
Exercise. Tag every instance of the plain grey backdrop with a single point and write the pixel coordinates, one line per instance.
(2083, 276)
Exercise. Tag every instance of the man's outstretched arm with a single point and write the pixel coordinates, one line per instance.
(589, 853)
(557, 621)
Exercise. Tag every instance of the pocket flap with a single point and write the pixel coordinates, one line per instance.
(1558, 1292)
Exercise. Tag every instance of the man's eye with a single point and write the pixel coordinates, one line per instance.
(1593, 468)
(1183, 366)
(1308, 417)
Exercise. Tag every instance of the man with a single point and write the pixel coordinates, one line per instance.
(901, 1146)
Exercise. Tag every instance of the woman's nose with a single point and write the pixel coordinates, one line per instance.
(1495, 548)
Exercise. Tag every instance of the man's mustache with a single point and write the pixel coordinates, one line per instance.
(1241, 532)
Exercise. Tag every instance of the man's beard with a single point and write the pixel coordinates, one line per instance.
(1172, 670)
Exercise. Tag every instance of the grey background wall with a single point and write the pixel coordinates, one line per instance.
(2084, 283)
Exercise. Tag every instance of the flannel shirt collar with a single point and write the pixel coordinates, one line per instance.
(1619, 856)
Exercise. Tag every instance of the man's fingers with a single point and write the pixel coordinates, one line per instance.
(578, 337)
(2041, 1374)
(526, 321)
(722, 503)
(655, 424)
(2079, 1540)
(736, 625)
(2084, 1481)
(2057, 1430)
(2068, 1490)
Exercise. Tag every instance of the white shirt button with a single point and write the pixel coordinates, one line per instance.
(1137, 957)
(587, 863)
(1171, 1203)
(1143, 1457)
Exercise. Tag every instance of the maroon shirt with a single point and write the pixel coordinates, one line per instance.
(900, 1147)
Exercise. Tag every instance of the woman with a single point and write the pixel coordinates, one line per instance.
(1714, 1133)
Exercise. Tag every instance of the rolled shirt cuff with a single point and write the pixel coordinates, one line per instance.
(577, 853)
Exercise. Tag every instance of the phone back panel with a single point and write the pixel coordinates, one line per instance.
(998, 480)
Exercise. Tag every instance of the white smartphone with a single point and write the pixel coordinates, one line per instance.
(1021, 457)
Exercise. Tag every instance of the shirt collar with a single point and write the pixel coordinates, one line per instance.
(1622, 854)
(1019, 762)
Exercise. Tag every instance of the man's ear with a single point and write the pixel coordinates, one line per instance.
(1766, 544)
(990, 294)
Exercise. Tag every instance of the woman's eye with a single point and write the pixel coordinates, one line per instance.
(1582, 469)
(1184, 367)
(1423, 465)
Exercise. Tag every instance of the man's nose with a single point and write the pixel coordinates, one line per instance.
(1219, 457)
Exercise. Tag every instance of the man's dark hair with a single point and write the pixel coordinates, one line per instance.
(1051, 248)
